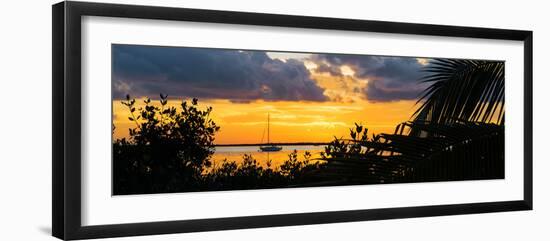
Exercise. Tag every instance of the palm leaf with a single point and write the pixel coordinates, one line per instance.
(471, 90)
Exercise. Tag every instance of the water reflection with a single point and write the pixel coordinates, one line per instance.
(235, 153)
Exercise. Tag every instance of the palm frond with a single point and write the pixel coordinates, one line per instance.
(471, 90)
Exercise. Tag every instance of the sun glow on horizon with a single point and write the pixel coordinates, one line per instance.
(291, 121)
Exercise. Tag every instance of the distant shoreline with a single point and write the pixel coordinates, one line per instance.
(278, 144)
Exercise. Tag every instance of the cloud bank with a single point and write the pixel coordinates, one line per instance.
(240, 76)
(244, 76)
(390, 78)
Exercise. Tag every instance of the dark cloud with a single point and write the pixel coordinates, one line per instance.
(382, 93)
(390, 78)
(331, 69)
(239, 76)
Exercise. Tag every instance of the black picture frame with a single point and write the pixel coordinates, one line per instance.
(66, 170)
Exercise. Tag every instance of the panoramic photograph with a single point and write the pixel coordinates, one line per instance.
(188, 119)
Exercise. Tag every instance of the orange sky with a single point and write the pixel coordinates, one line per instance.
(290, 121)
(297, 121)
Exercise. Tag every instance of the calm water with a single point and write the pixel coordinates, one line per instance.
(235, 153)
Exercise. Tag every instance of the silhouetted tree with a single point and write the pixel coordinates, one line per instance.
(167, 150)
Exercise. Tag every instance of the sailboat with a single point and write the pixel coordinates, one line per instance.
(269, 147)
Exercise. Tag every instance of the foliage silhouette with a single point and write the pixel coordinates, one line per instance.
(444, 152)
(168, 149)
(249, 174)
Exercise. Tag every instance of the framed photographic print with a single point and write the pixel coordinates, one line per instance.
(170, 120)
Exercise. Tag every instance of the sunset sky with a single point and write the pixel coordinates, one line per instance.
(310, 97)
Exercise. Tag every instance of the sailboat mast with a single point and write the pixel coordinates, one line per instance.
(269, 147)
